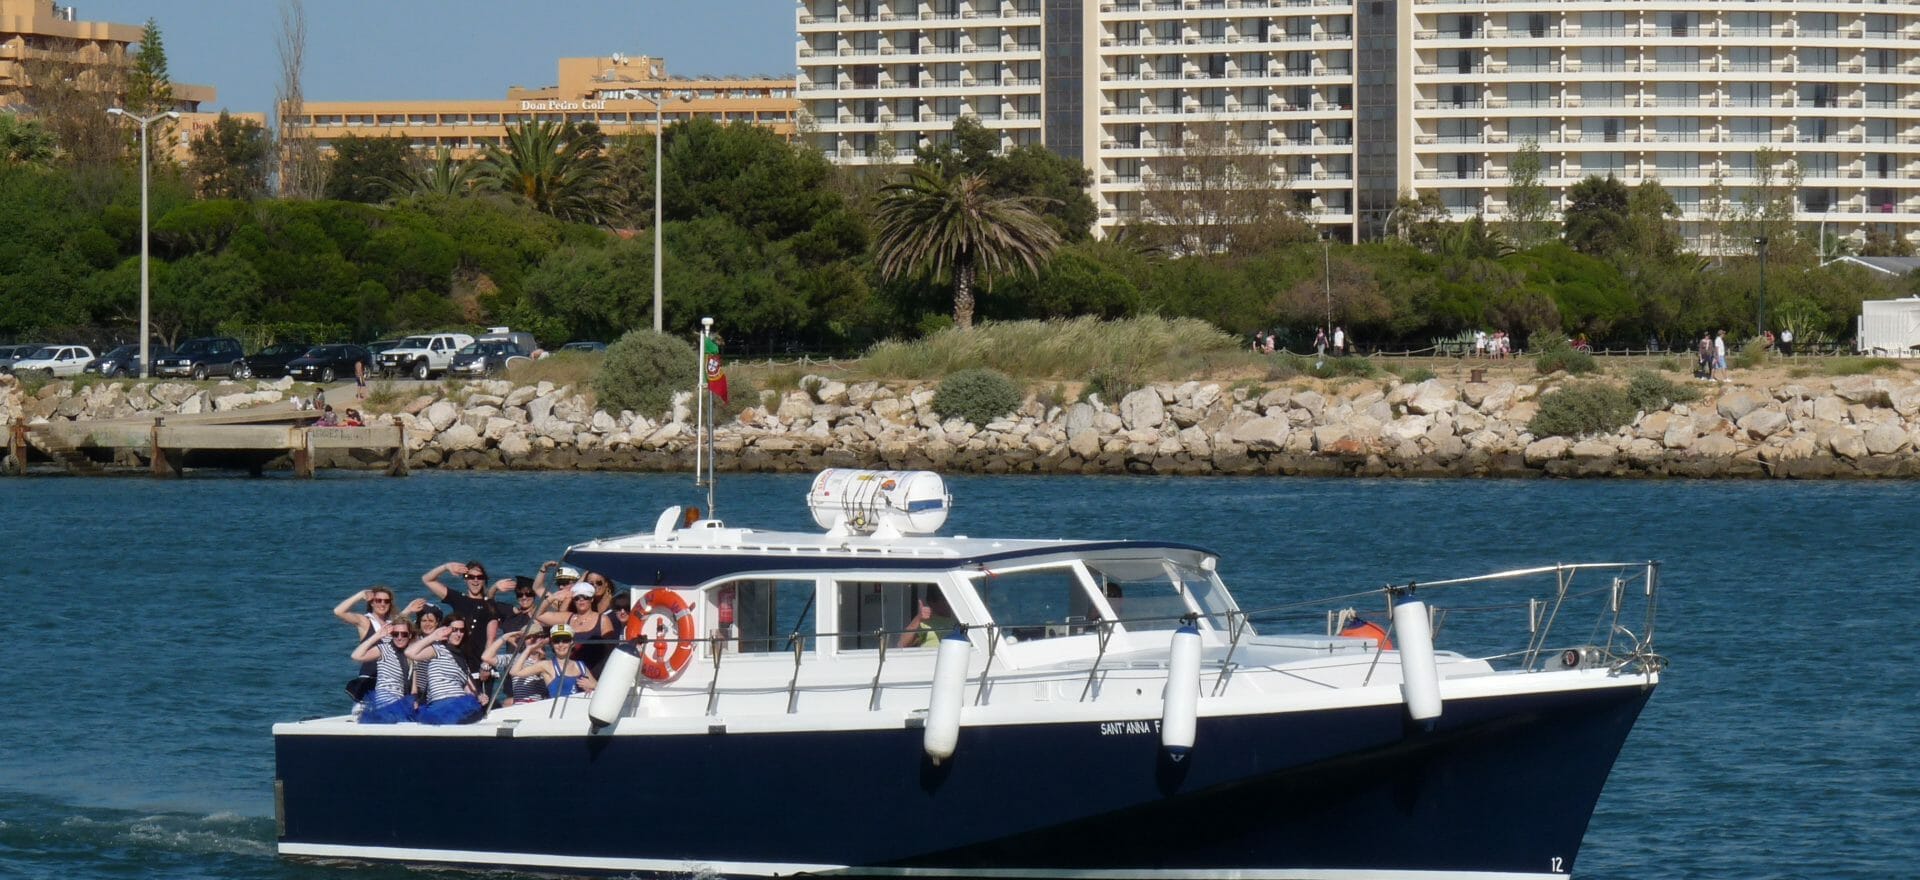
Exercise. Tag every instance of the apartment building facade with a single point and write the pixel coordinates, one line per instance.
(616, 92)
(1346, 106)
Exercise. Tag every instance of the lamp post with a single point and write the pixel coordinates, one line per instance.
(1760, 311)
(659, 100)
(146, 364)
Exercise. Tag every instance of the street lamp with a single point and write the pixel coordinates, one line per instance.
(146, 363)
(658, 99)
(1760, 312)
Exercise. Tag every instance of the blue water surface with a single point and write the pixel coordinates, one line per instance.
(159, 628)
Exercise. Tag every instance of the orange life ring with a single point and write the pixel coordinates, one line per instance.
(1361, 628)
(662, 657)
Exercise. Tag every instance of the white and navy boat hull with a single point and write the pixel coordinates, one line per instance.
(1499, 786)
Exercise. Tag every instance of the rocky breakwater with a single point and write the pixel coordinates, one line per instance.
(1851, 426)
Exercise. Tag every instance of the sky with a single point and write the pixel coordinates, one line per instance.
(361, 50)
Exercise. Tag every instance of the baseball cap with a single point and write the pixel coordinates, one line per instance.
(567, 574)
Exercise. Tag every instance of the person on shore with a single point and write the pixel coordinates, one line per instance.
(1703, 357)
(1786, 342)
(353, 419)
(1339, 342)
(449, 678)
(328, 419)
(390, 700)
(1720, 351)
(1320, 342)
(471, 605)
(565, 675)
(360, 380)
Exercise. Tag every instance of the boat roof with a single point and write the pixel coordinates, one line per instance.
(706, 551)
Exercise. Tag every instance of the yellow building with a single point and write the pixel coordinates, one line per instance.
(614, 92)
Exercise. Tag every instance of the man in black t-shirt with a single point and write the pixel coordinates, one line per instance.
(481, 614)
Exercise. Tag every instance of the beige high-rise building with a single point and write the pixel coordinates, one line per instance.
(1349, 106)
(615, 92)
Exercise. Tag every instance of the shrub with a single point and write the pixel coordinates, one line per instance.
(979, 396)
(1581, 408)
(1152, 346)
(1752, 355)
(1557, 355)
(1287, 365)
(1648, 391)
(1672, 365)
(1113, 382)
(1411, 374)
(642, 371)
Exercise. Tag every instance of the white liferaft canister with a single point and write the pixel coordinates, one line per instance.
(911, 502)
(615, 683)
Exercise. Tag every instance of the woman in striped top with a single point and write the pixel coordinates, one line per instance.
(450, 698)
(390, 701)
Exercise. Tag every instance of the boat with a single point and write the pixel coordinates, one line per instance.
(878, 699)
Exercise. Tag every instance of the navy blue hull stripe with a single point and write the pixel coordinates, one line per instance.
(1501, 784)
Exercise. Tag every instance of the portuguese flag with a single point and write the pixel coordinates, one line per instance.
(716, 377)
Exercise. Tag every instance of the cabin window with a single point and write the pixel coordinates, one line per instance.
(1153, 594)
(762, 616)
(872, 610)
(1040, 603)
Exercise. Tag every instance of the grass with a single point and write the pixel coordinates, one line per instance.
(382, 397)
(1138, 349)
(1858, 366)
(563, 368)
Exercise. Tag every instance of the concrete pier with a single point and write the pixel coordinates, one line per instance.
(247, 442)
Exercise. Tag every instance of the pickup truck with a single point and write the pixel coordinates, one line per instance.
(422, 357)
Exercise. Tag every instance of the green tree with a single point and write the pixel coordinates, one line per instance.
(363, 169)
(1766, 209)
(1652, 237)
(557, 168)
(441, 177)
(230, 159)
(1880, 243)
(1596, 219)
(24, 141)
(1030, 170)
(1421, 222)
(950, 225)
(195, 294)
(1528, 204)
(150, 91)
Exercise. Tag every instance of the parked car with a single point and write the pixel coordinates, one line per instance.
(518, 337)
(11, 353)
(124, 360)
(586, 347)
(487, 357)
(200, 358)
(376, 347)
(59, 360)
(325, 363)
(423, 357)
(270, 362)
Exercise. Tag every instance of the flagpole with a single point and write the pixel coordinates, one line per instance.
(707, 419)
(699, 406)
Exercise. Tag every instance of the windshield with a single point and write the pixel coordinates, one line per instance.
(414, 342)
(283, 348)
(1153, 594)
(192, 348)
(471, 348)
(324, 351)
(120, 351)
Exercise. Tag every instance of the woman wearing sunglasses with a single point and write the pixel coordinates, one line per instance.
(581, 619)
(450, 694)
(390, 700)
(564, 675)
(379, 601)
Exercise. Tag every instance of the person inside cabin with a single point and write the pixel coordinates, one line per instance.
(565, 674)
(449, 679)
(390, 699)
(931, 619)
(471, 605)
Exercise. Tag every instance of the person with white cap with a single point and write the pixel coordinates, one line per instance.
(564, 675)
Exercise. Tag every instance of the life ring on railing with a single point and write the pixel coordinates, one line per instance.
(662, 657)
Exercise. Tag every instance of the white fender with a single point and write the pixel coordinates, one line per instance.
(616, 682)
(1419, 679)
(1180, 703)
(943, 706)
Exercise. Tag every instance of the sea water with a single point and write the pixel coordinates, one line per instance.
(158, 629)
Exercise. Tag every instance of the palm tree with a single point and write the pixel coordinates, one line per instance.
(440, 177)
(559, 169)
(943, 224)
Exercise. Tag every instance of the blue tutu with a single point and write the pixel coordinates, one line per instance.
(385, 708)
(463, 709)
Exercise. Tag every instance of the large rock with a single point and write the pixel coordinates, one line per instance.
(1905, 400)
(1885, 439)
(1264, 434)
(442, 415)
(1143, 410)
(1861, 389)
(1714, 446)
(1430, 397)
(1310, 401)
(515, 443)
(461, 436)
(1080, 420)
(1738, 402)
(1763, 423)
(1547, 449)
(1848, 442)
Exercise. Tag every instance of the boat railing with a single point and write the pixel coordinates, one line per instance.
(1619, 589)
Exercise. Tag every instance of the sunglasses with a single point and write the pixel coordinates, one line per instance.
(379, 601)
(401, 634)
(476, 575)
(457, 630)
(566, 642)
(524, 595)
